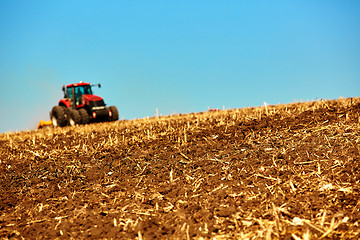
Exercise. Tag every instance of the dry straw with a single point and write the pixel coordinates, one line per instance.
(270, 172)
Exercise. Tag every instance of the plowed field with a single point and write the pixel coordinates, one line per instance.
(272, 172)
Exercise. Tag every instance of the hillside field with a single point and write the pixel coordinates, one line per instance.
(272, 172)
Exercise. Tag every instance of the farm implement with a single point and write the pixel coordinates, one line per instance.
(44, 124)
(81, 106)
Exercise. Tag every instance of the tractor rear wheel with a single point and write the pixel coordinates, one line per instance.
(84, 116)
(74, 118)
(58, 116)
(114, 113)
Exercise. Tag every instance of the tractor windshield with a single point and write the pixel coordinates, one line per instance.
(79, 91)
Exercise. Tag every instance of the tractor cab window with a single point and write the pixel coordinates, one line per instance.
(78, 95)
(83, 90)
(87, 90)
(79, 91)
(69, 92)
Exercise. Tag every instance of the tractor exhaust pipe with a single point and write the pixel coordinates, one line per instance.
(63, 89)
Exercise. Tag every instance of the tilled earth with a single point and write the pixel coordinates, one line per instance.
(272, 172)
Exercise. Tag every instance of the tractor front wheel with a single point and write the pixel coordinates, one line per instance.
(114, 113)
(58, 116)
(74, 117)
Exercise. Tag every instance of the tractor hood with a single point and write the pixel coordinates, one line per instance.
(91, 98)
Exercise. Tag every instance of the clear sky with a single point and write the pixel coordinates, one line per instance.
(175, 56)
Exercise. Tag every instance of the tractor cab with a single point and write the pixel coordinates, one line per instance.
(74, 93)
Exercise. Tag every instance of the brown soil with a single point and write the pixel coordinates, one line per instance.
(286, 171)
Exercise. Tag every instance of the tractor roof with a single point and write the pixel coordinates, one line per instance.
(77, 84)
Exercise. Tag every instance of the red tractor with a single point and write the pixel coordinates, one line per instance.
(81, 106)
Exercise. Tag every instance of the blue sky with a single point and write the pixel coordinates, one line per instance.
(175, 56)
